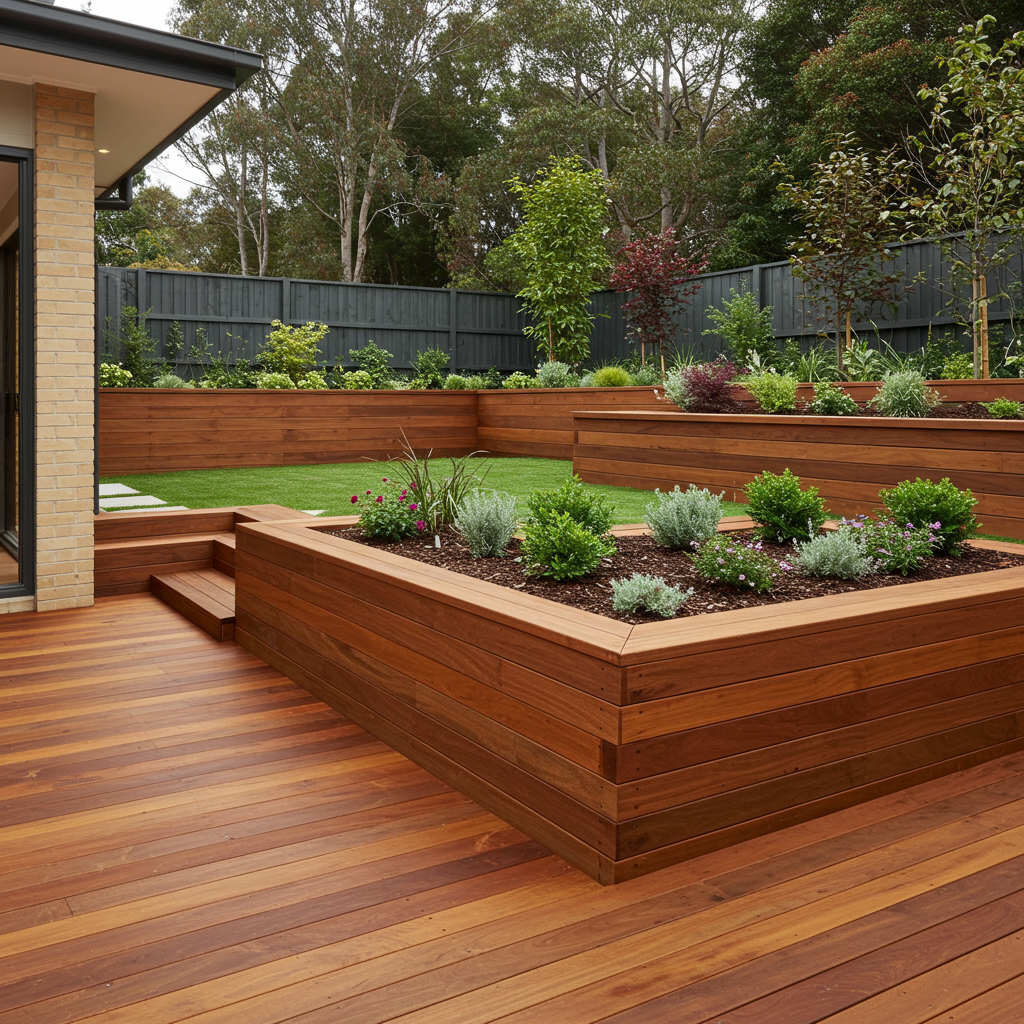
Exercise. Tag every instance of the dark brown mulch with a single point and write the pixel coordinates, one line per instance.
(641, 554)
(968, 411)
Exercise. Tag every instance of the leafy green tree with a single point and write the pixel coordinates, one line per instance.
(972, 157)
(847, 210)
(560, 248)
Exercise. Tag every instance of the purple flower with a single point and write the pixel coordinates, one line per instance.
(935, 526)
(420, 525)
(742, 577)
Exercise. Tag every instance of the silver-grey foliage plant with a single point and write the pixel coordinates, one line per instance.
(905, 393)
(554, 374)
(648, 593)
(839, 554)
(676, 390)
(487, 521)
(680, 519)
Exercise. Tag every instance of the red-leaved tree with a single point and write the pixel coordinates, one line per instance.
(661, 280)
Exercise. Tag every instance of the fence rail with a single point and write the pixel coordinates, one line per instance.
(483, 329)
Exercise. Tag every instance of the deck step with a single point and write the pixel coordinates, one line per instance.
(204, 596)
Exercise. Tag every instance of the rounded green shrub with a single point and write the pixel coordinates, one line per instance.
(554, 374)
(555, 545)
(905, 393)
(313, 381)
(948, 511)
(773, 392)
(611, 377)
(782, 509)
(518, 380)
(831, 400)
(455, 382)
(170, 380)
(275, 382)
(957, 367)
(587, 508)
(113, 376)
(1005, 409)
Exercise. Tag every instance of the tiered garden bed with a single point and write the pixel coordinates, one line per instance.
(626, 748)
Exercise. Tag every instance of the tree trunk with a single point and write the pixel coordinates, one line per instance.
(849, 342)
(975, 329)
(983, 315)
(839, 341)
(551, 341)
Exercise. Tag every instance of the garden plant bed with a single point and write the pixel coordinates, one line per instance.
(637, 552)
(628, 747)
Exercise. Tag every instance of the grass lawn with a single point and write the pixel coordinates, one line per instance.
(331, 487)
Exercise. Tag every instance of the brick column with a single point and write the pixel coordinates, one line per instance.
(65, 343)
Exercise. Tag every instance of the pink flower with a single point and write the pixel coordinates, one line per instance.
(379, 498)
(413, 507)
(385, 479)
(420, 525)
(369, 493)
(355, 499)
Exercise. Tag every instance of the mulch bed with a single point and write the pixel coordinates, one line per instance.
(968, 411)
(641, 554)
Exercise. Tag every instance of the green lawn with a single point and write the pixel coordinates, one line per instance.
(331, 487)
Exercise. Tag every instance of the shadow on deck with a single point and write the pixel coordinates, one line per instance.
(188, 835)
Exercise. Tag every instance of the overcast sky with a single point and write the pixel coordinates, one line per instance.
(174, 172)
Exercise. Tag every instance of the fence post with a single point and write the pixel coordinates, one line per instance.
(286, 299)
(141, 291)
(453, 329)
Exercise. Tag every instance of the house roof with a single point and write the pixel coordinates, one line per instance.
(151, 87)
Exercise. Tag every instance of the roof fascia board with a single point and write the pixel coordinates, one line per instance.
(94, 40)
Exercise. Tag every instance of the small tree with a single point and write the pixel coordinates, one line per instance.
(847, 207)
(661, 280)
(972, 157)
(560, 251)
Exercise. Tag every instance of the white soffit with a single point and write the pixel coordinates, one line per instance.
(135, 112)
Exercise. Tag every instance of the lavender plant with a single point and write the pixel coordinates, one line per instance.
(740, 564)
(487, 523)
(838, 555)
(679, 518)
(639, 593)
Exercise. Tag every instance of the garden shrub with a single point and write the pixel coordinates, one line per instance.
(487, 522)
(641, 593)
(703, 387)
(313, 381)
(291, 350)
(611, 377)
(170, 380)
(554, 374)
(556, 545)
(492, 379)
(838, 554)
(455, 382)
(1005, 409)
(136, 346)
(905, 393)
(727, 560)
(831, 400)
(957, 367)
(680, 518)
(356, 380)
(895, 547)
(773, 392)
(112, 376)
(587, 508)
(647, 375)
(477, 382)
(221, 374)
(782, 509)
(587, 380)
(275, 381)
(375, 361)
(942, 506)
(746, 328)
(429, 366)
(391, 514)
(518, 381)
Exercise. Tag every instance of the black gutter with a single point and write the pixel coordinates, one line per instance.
(123, 198)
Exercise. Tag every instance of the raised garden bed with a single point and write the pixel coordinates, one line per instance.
(848, 458)
(626, 748)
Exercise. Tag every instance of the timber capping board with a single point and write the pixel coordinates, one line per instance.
(628, 748)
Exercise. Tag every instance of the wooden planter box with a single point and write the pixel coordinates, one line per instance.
(628, 748)
(848, 458)
(952, 392)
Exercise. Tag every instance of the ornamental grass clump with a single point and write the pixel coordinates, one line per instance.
(740, 564)
(831, 400)
(783, 510)
(556, 545)
(839, 554)
(487, 522)
(941, 507)
(773, 392)
(612, 377)
(392, 513)
(680, 518)
(905, 393)
(642, 593)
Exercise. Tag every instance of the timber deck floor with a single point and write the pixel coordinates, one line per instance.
(187, 835)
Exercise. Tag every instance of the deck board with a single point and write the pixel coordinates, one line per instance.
(189, 835)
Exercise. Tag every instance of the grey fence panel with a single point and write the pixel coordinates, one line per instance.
(226, 316)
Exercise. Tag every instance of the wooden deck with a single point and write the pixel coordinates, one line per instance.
(187, 835)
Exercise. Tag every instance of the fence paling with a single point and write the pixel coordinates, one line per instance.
(483, 329)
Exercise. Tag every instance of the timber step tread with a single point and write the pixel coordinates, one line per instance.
(204, 596)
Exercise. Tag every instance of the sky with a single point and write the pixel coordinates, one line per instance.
(170, 169)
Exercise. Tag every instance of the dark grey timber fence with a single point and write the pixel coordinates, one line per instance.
(483, 329)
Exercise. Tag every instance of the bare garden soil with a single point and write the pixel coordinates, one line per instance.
(640, 554)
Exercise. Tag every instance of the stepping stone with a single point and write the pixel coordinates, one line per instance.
(159, 508)
(313, 511)
(108, 490)
(127, 502)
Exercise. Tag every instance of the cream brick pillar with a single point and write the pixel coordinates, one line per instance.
(65, 342)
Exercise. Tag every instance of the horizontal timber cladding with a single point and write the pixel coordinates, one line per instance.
(849, 459)
(538, 423)
(145, 430)
(628, 748)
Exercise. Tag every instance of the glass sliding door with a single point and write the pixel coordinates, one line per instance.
(17, 481)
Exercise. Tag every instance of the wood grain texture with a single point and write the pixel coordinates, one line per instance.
(849, 459)
(190, 835)
(627, 748)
